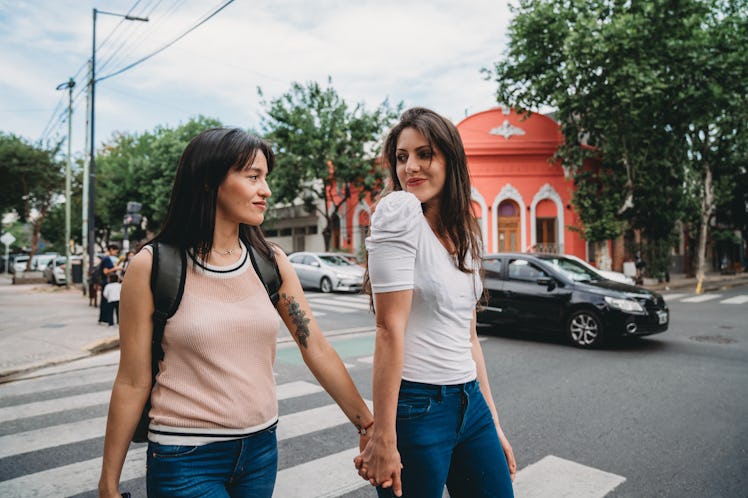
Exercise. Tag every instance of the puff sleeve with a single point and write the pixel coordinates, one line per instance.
(395, 232)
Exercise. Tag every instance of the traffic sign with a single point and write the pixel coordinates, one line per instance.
(7, 238)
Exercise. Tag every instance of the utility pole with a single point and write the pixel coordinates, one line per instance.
(68, 171)
(84, 203)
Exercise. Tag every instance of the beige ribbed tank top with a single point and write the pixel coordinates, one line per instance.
(216, 379)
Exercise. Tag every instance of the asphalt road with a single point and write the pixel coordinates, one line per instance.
(663, 416)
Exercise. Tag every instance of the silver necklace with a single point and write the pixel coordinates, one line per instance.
(226, 252)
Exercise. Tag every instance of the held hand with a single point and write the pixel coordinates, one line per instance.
(379, 464)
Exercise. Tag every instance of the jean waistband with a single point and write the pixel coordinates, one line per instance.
(435, 389)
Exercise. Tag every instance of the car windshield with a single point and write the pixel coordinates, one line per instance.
(332, 259)
(575, 271)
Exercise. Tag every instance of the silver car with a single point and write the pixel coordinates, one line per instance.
(327, 271)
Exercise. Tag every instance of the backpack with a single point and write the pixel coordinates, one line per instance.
(168, 274)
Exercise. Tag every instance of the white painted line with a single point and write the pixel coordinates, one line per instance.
(348, 366)
(354, 299)
(57, 435)
(38, 385)
(736, 300)
(336, 309)
(559, 478)
(700, 299)
(340, 303)
(83, 476)
(313, 420)
(366, 359)
(674, 297)
(54, 405)
(71, 479)
(318, 313)
(326, 477)
(296, 389)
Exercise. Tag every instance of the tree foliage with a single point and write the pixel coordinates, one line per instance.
(32, 178)
(323, 145)
(140, 168)
(656, 88)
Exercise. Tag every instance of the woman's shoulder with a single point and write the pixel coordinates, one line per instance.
(397, 210)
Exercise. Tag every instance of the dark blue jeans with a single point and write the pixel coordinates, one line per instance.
(239, 468)
(446, 435)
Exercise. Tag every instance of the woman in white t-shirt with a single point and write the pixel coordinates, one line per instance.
(436, 422)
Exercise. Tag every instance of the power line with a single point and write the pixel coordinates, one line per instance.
(143, 59)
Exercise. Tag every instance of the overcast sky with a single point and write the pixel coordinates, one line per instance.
(424, 52)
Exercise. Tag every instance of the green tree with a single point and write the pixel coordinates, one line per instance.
(32, 179)
(140, 168)
(624, 77)
(325, 147)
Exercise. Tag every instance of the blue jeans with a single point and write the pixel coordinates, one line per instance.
(238, 468)
(446, 435)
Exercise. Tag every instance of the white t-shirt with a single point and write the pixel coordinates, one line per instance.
(111, 291)
(404, 253)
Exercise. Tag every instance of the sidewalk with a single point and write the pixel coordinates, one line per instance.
(42, 325)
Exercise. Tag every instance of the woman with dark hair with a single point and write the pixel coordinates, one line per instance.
(213, 407)
(436, 423)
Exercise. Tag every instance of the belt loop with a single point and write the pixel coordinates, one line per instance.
(442, 392)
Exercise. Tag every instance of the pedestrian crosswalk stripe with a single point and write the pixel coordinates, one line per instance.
(366, 359)
(58, 435)
(354, 299)
(54, 405)
(333, 475)
(673, 297)
(701, 298)
(554, 476)
(312, 420)
(736, 300)
(325, 307)
(339, 304)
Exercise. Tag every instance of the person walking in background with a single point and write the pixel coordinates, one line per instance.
(111, 295)
(213, 409)
(436, 422)
(109, 265)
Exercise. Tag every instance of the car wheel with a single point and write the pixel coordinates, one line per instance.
(325, 285)
(584, 329)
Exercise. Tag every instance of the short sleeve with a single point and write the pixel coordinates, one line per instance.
(393, 241)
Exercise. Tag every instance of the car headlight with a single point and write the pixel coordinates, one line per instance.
(342, 275)
(624, 304)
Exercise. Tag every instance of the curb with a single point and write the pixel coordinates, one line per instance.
(713, 285)
(91, 349)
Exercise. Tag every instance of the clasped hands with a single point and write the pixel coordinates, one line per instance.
(379, 463)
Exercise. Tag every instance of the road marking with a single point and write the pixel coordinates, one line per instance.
(736, 300)
(700, 299)
(54, 405)
(330, 476)
(366, 359)
(57, 435)
(554, 476)
(340, 303)
(364, 299)
(673, 297)
(315, 306)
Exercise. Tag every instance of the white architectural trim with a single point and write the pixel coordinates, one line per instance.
(548, 192)
(361, 206)
(508, 192)
(475, 196)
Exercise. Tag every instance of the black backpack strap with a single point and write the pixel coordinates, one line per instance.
(267, 269)
(167, 284)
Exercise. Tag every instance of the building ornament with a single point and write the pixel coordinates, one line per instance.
(506, 130)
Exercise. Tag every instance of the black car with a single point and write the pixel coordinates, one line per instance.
(550, 293)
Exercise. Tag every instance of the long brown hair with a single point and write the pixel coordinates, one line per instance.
(456, 220)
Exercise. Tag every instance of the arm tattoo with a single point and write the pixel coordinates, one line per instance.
(298, 317)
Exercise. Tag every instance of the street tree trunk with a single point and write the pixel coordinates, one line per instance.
(707, 208)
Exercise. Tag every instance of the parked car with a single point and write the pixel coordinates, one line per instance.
(55, 270)
(19, 263)
(610, 275)
(327, 271)
(40, 261)
(552, 294)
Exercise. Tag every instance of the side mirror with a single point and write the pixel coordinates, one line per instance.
(315, 264)
(546, 282)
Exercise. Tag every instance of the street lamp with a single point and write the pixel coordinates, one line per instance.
(91, 166)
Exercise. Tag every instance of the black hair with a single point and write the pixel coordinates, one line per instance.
(205, 162)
